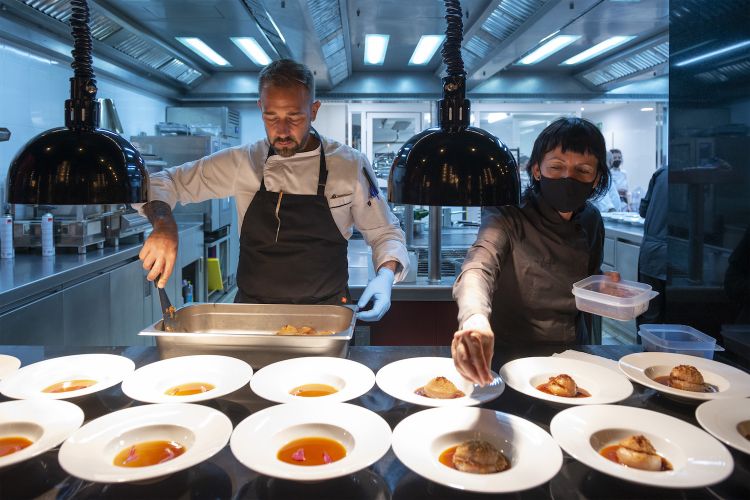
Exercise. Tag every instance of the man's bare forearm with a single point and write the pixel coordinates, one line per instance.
(159, 213)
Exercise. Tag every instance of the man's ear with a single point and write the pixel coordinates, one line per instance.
(314, 110)
(260, 107)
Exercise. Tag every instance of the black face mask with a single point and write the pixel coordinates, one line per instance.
(565, 195)
(616, 163)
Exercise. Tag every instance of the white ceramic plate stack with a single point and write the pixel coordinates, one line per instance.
(419, 439)
(401, 378)
(46, 423)
(151, 382)
(643, 367)
(8, 365)
(257, 439)
(29, 382)
(728, 420)
(697, 458)
(604, 385)
(276, 381)
(89, 453)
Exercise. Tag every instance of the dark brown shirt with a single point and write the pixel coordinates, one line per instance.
(521, 269)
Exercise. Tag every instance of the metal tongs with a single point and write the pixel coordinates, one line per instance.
(169, 313)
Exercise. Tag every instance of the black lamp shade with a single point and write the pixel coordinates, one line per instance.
(466, 167)
(66, 166)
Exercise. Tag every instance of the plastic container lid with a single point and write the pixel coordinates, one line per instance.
(677, 338)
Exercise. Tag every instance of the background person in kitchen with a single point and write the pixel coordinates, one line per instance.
(298, 196)
(515, 284)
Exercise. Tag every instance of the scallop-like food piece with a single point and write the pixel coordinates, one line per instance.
(562, 385)
(639, 453)
(479, 457)
(288, 330)
(441, 388)
(687, 378)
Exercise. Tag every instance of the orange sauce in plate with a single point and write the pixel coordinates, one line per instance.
(9, 445)
(148, 453)
(582, 393)
(313, 390)
(610, 453)
(69, 385)
(312, 451)
(189, 389)
(664, 380)
(446, 457)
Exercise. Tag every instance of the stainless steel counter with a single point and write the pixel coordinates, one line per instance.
(625, 232)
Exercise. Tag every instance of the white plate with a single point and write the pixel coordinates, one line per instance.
(697, 458)
(88, 454)
(46, 423)
(275, 381)
(419, 439)
(728, 420)
(29, 381)
(401, 378)
(604, 385)
(257, 439)
(642, 366)
(8, 365)
(149, 383)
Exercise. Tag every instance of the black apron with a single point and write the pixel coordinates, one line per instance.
(300, 260)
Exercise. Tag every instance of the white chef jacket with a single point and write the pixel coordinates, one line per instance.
(237, 172)
(619, 178)
(609, 201)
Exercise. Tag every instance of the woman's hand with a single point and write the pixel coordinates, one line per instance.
(472, 350)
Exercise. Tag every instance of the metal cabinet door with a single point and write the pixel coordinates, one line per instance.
(37, 323)
(86, 308)
(126, 304)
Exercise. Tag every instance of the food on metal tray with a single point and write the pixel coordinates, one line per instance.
(636, 452)
(302, 330)
(440, 388)
(189, 389)
(148, 453)
(312, 451)
(564, 386)
(313, 390)
(475, 456)
(69, 385)
(686, 378)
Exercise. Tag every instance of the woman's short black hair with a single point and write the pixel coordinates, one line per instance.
(571, 134)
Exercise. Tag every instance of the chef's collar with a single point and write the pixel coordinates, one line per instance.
(302, 155)
(549, 213)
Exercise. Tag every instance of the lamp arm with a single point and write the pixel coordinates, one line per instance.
(454, 109)
(82, 109)
(454, 35)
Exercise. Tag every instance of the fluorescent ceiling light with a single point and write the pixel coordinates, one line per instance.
(548, 48)
(496, 117)
(199, 47)
(647, 109)
(375, 48)
(599, 48)
(252, 49)
(714, 53)
(426, 48)
(278, 31)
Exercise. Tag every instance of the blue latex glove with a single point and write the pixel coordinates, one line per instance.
(379, 289)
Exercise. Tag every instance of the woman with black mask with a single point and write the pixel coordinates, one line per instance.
(515, 284)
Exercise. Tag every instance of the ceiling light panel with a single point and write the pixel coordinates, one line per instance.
(548, 48)
(729, 49)
(202, 49)
(375, 48)
(252, 49)
(598, 49)
(425, 49)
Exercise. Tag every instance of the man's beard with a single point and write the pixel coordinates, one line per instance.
(290, 150)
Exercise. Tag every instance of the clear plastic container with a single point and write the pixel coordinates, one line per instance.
(680, 339)
(621, 300)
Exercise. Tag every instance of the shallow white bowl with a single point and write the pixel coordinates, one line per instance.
(257, 439)
(642, 366)
(45, 422)
(149, 383)
(604, 385)
(275, 381)
(697, 458)
(88, 454)
(401, 378)
(8, 365)
(419, 439)
(728, 420)
(29, 381)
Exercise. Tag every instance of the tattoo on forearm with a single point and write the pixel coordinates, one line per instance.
(157, 211)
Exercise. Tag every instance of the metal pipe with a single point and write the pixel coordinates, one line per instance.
(434, 248)
(409, 225)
